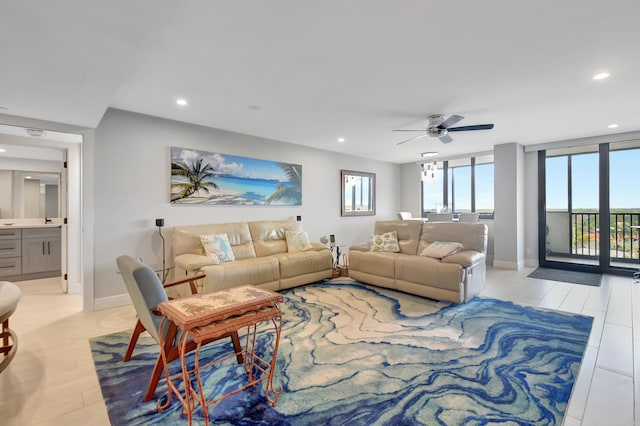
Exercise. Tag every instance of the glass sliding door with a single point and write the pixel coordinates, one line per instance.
(571, 213)
(590, 208)
(624, 204)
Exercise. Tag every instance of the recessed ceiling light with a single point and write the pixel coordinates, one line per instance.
(429, 154)
(340, 140)
(612, 126)
(601, 76)
(27, 177)
(181, 102)
(3, 150)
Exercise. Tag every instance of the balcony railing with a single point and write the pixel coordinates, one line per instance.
(623, 238)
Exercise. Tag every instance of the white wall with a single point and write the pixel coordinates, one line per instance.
(31, 198)
(509, 206)
(6, 194)
(411, 197)
(131, 173)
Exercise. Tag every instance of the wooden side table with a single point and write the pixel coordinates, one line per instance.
(203, 317)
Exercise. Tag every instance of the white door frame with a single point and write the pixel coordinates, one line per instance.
(79, 201)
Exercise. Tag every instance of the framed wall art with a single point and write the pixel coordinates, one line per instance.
(358, 193)
(211, 178)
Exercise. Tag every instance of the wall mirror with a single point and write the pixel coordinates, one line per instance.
(29, 194)
(358, 193)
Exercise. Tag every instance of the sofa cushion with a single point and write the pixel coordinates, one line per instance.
(465, 258)
(440, 249)
(256, 271)
(375, 263)
(385, 242)
(193, 262)
(297, 241)
(429, 272)
(408, 233)
(186, 239)
(269, 236)
(218, 246)
(301, 263)
(473, 236)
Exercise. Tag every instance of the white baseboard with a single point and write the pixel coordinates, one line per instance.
(111, 302)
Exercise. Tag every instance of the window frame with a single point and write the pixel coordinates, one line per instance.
(448, 189)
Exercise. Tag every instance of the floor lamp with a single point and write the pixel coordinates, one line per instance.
(160, 224)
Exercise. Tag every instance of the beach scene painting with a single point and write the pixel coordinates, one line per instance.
(201, 177)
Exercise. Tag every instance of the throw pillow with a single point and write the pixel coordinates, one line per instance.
(385, 242)
(218, 246)
(440, 249)
(297, 241)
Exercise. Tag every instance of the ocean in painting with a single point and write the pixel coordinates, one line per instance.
(234, 190)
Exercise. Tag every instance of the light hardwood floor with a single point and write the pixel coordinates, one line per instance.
(52, 380)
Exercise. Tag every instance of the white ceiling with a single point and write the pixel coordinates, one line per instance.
(320, 70)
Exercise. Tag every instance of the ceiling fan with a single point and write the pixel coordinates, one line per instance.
(439, 128)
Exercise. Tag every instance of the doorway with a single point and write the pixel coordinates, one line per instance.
(61, 151)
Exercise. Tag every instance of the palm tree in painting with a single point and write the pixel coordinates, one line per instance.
(288, 194)
(196, 173)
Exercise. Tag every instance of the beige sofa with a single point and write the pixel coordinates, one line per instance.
(261, 253)
(456, 278)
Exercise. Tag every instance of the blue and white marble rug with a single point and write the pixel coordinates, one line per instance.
(360, 355)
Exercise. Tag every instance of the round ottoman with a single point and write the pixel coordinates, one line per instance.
(9, 297)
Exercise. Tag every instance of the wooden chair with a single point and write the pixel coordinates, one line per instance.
(147, 291)
(10, 295)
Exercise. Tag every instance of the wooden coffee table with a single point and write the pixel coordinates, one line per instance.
(203, 317)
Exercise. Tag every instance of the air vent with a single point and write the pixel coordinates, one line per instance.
(36, 133)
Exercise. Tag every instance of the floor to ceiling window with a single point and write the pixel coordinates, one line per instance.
(458, 186)
(590, 213)
(572, 205)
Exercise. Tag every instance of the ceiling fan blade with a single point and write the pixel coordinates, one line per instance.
(476, 127)
(450, 121)
(445, 139)
(407, 130)
(413, 139)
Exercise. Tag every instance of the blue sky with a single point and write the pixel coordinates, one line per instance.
(624, 165)
(233, 165)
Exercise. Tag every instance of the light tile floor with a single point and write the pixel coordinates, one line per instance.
(52, 380)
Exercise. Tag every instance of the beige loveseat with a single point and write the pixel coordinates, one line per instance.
(456, 278)
(261, 256)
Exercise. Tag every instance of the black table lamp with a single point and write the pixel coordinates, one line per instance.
(160, 224)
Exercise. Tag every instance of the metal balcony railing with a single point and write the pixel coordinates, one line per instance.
(623, 238)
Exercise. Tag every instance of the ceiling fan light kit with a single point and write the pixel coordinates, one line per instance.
(439, 127)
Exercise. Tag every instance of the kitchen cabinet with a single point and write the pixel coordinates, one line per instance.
(41, 250)
(10, 252)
